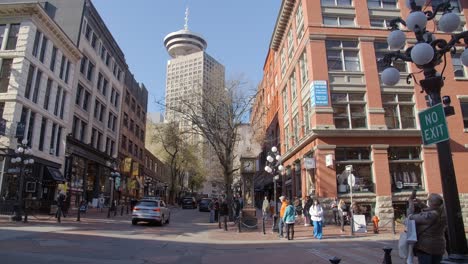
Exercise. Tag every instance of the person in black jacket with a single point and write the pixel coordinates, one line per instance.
(60, 205)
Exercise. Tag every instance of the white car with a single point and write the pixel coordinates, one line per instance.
(151, 211)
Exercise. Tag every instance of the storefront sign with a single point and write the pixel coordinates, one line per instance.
(329, 160)
(319, 93)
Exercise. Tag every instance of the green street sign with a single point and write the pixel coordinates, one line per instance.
(433, 125)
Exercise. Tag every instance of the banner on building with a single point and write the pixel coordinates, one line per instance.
(127, 165)
(319, 93)
(135, 169)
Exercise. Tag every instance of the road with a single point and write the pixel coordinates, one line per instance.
(189, 238)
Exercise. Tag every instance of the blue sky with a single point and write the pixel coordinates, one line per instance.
(238, 35)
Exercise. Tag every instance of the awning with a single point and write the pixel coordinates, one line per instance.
(56, 174)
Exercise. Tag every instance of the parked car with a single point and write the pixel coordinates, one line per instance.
(151, 211)
(203, 206)
(189, 202)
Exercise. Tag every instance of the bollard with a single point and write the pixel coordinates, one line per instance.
(335, 260)
(121, 210)
(127, 208)
(78, 216)
(225, 223)
(239, 219)
(387, 256)
(219, 221)
(263, 225)
(25, 220)
(394, 227)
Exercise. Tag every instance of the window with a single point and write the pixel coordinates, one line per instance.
(90, 72)
(53, 58)
(137, 130)
(336, 2)
(37, 85)
(292, 82)
(132, 125)
(405, 168)
(42, 133)
(306, 114)
(381, 48)
(133, 104)
(124, 142)
(29, 82)
(109, 120)
(125, 120)
(53, 138)
(5, 73)
(453, 3)
(458, 68)
(98, 141)
(130, 147)
(93, 137)
(67, 70)
(83, 127)
(93, 40)
(283, 62)
(399, 111)
(59, 138)
(62, 107)
(12, 36)
(379, 22)
(87, 95)
(37, 39)
(338, 21)
(57, 99)
(349, 110)
(286, 136)
(117, 99)
(464, 108)
(284, 94)
(295, 127)
(84, 62)
(2, 33)
(88, 32)
(290, 44)
(62, 66)
(354, 161)
(99, 81)
(75, 126)
(107, 145)
(101, 113)
(299, 22)
(127, 97)
(303, 68)
(343, 55)
(382, 4)
(79, 93)
(43, 49)
(47, 94)
(104, 87)
(97, 107)
(112, 147)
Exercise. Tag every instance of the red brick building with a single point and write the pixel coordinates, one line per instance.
(321, 98)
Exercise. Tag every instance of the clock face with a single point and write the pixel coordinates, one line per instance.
(248, 166)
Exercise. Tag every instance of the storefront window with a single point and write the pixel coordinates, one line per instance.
(405, 168)
(355, 161)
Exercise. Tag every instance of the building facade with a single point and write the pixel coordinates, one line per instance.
(132, 137)
(37, 74)
(156, 176)
(341, 119)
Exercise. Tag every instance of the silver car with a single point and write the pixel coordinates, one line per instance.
(152, 211)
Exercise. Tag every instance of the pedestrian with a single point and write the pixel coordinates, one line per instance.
(60, 204)
(343, 212)
(211, 207)
(334, 207)
(298, 208)
(272, 208)
(224, 212)
(431, 224)
(316, 214)
(265, 207)
(375, 223)
(236, 206)
(216, 209)
(280, 221)
(307, 205)
(289, 219)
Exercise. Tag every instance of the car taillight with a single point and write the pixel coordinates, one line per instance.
(136, 209)
(157, 210)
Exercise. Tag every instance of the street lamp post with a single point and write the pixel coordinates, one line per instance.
(22, 159)
(112, 180)
(426, 54)
(274, 167)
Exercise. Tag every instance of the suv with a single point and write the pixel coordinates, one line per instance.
(189, 202)
(204, 205)
(153, 211)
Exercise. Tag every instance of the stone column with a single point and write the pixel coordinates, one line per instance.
(383, 189)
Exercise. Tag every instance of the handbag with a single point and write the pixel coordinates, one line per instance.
(407, 237)
(403, 245)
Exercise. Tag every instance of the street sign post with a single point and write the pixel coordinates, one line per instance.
(433, 125)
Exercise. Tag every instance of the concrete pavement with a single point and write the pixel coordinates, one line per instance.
(189, 238)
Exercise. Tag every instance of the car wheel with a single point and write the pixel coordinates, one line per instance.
(134, 222)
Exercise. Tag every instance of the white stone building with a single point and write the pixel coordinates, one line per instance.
(37, 74)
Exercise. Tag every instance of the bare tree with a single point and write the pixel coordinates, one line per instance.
(215, 113)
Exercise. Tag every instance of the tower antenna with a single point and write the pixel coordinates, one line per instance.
(186, 18)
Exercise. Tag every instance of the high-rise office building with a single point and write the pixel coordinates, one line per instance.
(190, 72)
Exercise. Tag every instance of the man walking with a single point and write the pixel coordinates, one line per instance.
(60, 203)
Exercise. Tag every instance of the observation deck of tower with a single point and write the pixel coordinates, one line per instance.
(184, 42)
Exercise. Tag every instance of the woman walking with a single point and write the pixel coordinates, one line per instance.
(342, 212)
(316, 214)
(307, 205)
(289, 218)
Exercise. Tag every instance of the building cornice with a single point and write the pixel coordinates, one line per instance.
(281, 24)
(39, 15)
